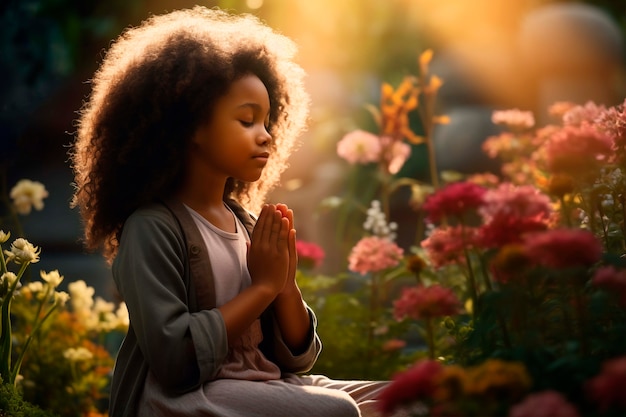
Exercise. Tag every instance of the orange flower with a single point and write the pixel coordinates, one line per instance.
(395, 107)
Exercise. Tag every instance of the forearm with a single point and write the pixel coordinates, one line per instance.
(292, 318)
(247, 306)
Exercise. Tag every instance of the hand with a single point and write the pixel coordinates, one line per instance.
(293, 254)
(269, 253)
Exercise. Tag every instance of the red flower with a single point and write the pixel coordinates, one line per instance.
(309, 254)
(417, 383)
(563, 248)
(454, 200)
(612, 280)
(446, 245)
(426, 302)
(607, 388)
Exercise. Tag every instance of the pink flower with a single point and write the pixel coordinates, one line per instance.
(360, 147)
(372, 254)
(454, 200)
(514, 119)
(524, 201)
(309, 254)
(563, 248)
(426, 302)
(446, 245)
(504, 230)
(607, 388)
(613, 122)
(393, 345)
(576, 148)
(544, 404)
(578, 115)
(612, 280)
(511, 211)
(417, 383)
(395, 153)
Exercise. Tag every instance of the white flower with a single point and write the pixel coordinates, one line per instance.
(77, 354)
(376, 222)
(61, 298)
(27, 194)
(22, 251)
(53, 278)
(9, 278)
(4, 236)
(122, 315)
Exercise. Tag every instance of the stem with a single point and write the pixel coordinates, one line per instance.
(18, 363)
(430, 337)
(5, 334)
(472, 282)
(372, 317)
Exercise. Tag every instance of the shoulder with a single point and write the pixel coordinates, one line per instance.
(150, 222)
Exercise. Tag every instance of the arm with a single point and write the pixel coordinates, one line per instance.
(181, 348)
(268, 263)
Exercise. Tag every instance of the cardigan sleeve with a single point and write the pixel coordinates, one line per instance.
(182, 349)
(298, 362)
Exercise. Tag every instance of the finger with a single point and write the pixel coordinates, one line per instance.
(276, 226)
(262, 228)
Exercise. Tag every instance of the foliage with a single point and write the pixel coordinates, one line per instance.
(517, 290)
(54, 355)
(13, 405)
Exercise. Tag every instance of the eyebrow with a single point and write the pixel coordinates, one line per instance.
(254, 105)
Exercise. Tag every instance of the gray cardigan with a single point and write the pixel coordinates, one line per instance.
(163, 273)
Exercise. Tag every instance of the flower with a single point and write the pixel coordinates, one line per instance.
(376, 222)
(417, 383)
(23, 252)
(422, 302)
(393, 345)
(360, 147)
(587, 113)
(309, 254)
(498, 379)
(563, 248)
(446, 245)
(576, 149)
(395, 153)
(27, 194)
(454, 200)
(514, 119)
(4, 236)
(53, 278)
(607, 388)
(77, 354)
(612, 280)
(373, 254)
(547, 403)
(509, 212)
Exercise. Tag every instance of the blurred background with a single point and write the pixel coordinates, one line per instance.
(491, 54)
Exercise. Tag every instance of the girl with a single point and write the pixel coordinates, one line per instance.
(191, 118)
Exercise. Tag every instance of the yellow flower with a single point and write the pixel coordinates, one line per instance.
(498, 379)
(22, 251)
(4, 236)
(27, 194)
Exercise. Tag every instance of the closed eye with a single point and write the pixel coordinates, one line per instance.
(246, 123)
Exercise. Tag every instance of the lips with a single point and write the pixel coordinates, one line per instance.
(262, 156)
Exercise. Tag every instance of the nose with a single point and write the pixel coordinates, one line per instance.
(264, 137)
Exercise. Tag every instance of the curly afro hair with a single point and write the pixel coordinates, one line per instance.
(155, 86)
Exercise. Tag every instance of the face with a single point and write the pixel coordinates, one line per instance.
(235, 141)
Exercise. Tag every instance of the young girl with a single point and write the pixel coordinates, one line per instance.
(189, 124)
